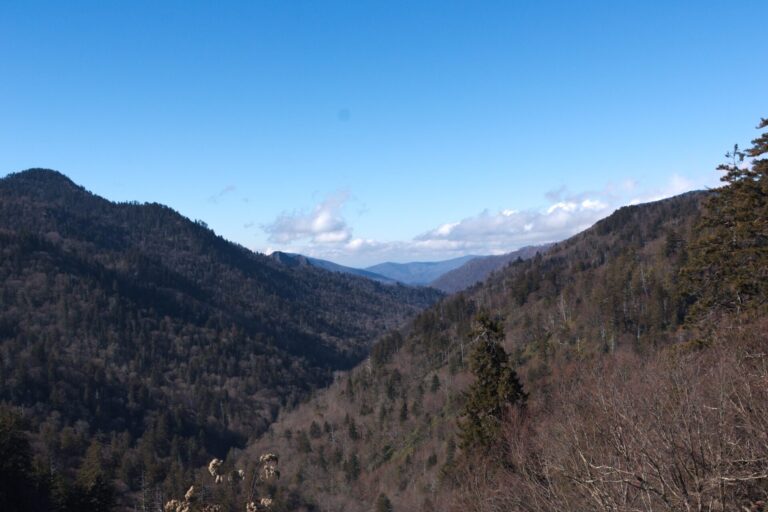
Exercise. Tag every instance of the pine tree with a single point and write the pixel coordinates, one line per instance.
(728, 266)
(496, 386)
(95, 489)
(352, 468)
(303, 443)
(20, 488)
(435, 385)
(404, 411)
(383, 504)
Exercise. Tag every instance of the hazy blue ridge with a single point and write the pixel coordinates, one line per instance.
(418, 272)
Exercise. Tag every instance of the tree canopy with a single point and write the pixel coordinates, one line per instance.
(728, 267)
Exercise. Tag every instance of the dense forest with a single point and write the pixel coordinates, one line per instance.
(137, 341)
(624, 370)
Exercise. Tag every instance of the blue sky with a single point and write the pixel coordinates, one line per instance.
(367, 131)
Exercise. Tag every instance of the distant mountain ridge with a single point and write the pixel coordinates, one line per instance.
(418, 272)
(478, 269)
(449, 276)
(293, 259)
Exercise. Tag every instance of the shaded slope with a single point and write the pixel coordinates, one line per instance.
(131, 321)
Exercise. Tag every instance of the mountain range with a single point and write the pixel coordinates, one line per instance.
(449, 276)
(420, 273)
(620, 369)
(389, 427)
(129, 321)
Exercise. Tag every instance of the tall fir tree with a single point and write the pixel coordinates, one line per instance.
(728, 261)
(496, 387)
(93, 482)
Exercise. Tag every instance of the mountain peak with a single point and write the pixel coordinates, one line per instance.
(46, 185)
(289, 259)
(41, 176)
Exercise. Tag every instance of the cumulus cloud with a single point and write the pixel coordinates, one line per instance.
(323, 225)
(508, 228)
(324, 233)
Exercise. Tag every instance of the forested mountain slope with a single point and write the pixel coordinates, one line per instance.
(623, 370)
(390, 425)
(132, 327)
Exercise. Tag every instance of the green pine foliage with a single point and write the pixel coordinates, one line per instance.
(434, 385)
(728, 268)
(383, 504)
(25, 486)
(496, 387)
(93, 484)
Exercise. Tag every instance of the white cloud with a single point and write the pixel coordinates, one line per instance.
(509, 229)
(324, 233)
(562, 205)
(446, 229)
(323, 225)
(593, 204)
(332, 237)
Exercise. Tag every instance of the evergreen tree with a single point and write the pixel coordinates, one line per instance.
(303, 443)
(354, 435)
(314, 430)
(496, 386)
(383, 504)
(728, 266)
(93, 483)
(352, 468)
(404, 411)
(449, 465)
(20, 488)
(435, 385)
